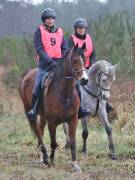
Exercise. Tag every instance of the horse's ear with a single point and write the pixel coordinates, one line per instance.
(76, 46)
(83, 46)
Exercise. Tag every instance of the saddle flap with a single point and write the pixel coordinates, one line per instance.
(46, 81)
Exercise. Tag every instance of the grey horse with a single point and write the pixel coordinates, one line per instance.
(94, 96)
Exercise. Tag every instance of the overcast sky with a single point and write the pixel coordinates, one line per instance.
(40, 1)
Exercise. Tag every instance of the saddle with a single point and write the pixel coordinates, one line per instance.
(46, 81)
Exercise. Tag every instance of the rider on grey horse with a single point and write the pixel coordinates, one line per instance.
(94, 96)
(50, 46)
(81, 36)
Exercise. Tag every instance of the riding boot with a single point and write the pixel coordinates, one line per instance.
(109, 107)
(83, 111)
(32, 114)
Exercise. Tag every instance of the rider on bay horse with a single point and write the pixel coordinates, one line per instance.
(50, 46)
(80, 36)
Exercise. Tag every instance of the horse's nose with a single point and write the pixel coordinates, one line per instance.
(83, 81)
(106, 96)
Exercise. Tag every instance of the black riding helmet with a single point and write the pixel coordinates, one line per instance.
(48, 12)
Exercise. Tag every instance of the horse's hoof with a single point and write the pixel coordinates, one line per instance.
(76, 168)
(84, 151)
(46, 162)
(112, 156)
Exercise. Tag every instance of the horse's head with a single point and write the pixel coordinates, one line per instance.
(75, 63)
(104, 77)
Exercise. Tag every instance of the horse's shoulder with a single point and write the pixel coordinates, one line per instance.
(30, 74)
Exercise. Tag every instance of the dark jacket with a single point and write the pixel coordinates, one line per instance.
(44, 59)
(92, 57)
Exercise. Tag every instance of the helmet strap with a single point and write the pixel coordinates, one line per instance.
(48, 28)
(80, 36)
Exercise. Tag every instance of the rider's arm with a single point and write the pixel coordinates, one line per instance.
(44, 59)
(70, 43)
(93, 57)
(64, 47)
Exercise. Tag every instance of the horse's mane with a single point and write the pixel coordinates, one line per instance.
(101, 65)
(58, 73)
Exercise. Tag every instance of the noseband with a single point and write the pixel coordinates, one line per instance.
(99, 79)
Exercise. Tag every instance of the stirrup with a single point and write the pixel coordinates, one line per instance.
(32, 115)
(109, 108)
(83, 112)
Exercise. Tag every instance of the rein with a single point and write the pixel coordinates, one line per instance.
(96, 96)
(68, 101)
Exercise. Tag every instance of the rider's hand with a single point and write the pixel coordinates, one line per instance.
(52, 64)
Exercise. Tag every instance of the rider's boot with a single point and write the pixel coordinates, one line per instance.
(83, 111)
(109, 107)
(32, 114)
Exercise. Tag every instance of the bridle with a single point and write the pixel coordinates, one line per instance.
(67, 102)
(98, 79)
(73, 70)
(99, 96)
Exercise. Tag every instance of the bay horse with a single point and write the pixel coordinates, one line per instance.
(59, 104)
(94, 96)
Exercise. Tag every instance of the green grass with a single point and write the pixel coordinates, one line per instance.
(19, 155)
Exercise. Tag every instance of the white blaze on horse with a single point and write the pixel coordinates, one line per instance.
(94, 96)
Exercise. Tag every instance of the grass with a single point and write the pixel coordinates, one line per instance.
(19, 156)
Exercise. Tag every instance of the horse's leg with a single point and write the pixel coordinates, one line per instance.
(104, 120)
(52, 132)
(42, 125)
(72, 136)
(44, 151)
(85, 132)
(36, 127)
(65, 127)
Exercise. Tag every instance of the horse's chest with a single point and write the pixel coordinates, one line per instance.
(60, 114)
